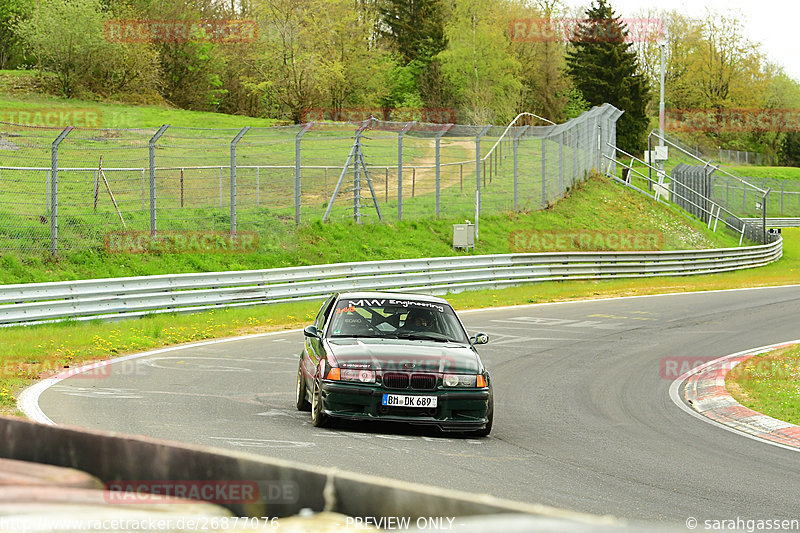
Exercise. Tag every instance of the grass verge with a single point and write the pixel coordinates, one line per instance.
(596, 204)
(26, 357)
(768, 383)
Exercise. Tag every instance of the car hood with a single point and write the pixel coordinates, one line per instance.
(404, 355)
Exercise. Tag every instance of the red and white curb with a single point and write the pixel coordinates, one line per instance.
(705, 391)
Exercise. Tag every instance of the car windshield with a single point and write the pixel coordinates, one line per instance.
(396, 319)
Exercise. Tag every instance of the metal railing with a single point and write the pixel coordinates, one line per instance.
(129, 297)
(775, 222)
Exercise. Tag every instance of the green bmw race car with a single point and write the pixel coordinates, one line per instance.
(394, 357)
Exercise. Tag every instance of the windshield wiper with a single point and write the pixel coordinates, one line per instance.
(421, 337)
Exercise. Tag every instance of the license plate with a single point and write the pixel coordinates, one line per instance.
(400, 400)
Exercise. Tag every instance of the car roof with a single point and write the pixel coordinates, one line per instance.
(394, 295)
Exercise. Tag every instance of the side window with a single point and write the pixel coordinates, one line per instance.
(324, 312)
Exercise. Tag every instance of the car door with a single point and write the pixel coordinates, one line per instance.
(315, 347)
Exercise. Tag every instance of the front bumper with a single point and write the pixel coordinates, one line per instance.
(456, 410)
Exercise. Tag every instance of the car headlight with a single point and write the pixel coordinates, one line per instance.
(460, 380)
(362, 376)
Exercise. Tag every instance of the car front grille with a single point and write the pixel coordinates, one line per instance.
(423, 381)
(402, 380)
(395, 380)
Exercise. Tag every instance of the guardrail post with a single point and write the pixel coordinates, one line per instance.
(515, 147)
(439, 169)
(234, 142)
(152, 148)
(298, 170)
(478, 162)
(400, 168)
(54, 189)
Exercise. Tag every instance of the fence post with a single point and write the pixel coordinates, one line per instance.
(234, 142)
(400, 168)
(544, 173)
(54, 189)
(357, 182)
(298, 170)
(561, 164)
(152, 147)
(439, 169)
(783, 184)
(478, 162)
(258, 186)
(515, 147)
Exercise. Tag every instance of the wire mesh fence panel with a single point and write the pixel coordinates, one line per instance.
(70, 189)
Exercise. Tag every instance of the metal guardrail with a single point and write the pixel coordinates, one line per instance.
(775, 222)
(136, 296)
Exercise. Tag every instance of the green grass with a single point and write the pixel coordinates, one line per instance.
(20, 91)
(780, 173)
(597, 204)
(770, 384)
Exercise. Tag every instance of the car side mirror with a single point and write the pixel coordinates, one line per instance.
(479, 338)
(312, 331)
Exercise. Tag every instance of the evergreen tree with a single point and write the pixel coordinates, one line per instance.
(414, 27)
(604, 68)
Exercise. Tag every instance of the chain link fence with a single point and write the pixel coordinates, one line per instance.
(69, 189)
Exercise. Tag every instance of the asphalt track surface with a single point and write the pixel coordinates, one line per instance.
(583, 418)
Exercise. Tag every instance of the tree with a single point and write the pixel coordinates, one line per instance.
(478, 62)
(67, 38)
(415, 28)
(10, 12)
(545, 84)
(318, 54)
(604, 68)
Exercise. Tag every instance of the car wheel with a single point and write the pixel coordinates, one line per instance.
(318, 418)
(488, 429)
(301, 400)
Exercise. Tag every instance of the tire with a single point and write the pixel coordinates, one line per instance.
(300, 393)
(318, 418)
